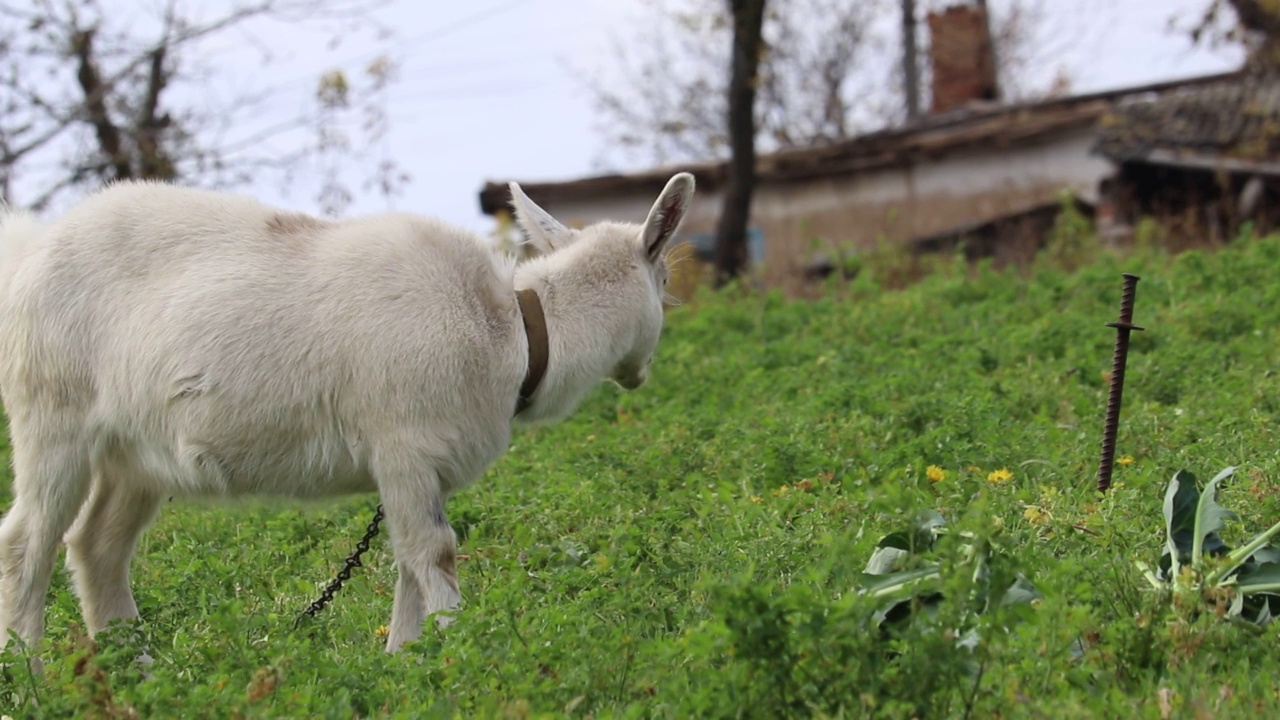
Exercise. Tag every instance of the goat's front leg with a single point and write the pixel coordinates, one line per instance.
(425, 548)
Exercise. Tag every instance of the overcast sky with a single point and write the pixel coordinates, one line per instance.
(485, 90)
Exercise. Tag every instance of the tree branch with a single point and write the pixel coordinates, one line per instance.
(152, 161)
(103, 87)
(95, 104)
(88, 99)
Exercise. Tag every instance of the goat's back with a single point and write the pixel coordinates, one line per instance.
(215, 343)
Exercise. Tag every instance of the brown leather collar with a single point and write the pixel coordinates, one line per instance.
(535, 329)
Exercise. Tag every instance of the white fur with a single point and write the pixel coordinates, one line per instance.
(160, 341)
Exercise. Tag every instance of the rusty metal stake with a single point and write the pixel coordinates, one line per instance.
(1124, 325)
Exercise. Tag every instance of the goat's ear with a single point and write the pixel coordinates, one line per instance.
(666, 214)
(544, 232)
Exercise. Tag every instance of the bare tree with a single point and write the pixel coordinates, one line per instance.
(1253, 24)
(814, 84)
(667, 99)
(1025, 39)
(731, 233)
(829, 70)
(910, 60)
(92, 91)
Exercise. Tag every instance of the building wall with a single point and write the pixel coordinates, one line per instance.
(892, 204)
(900, 203)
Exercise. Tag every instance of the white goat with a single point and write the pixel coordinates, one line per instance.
(159, 341)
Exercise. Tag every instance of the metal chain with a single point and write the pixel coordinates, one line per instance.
(352, 562)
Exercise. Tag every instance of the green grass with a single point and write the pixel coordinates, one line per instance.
(692, 549)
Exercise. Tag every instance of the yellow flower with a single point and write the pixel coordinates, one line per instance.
(382, 631)
(1126, 460)
(755, 498)
(1035, 515)
(935, 473)
(999, 476)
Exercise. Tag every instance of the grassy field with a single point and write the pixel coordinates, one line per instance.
(695, 548)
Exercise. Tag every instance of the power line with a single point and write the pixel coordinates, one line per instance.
(433, 34)
(468, 21)
(470, 92)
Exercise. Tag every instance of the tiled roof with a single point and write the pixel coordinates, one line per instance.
(989, 125)
(1236, 118)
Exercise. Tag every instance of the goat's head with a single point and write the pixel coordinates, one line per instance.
(622, 267)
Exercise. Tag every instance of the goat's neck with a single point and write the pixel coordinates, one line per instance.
(581, 330)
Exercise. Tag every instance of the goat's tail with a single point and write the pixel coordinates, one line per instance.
(19, 234)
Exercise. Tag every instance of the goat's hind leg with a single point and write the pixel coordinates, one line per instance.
(100, 547)
(425, 548)
(49, 484)
(426, 552)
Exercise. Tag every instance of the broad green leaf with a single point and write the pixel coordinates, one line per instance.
(885, 560)
(1237, 606)
(1180, 500)
(1022, 591)
(1248, 555)
(1258, 608)
(981, 576)
(1192, 521)
(881, 585)
(1154, 578)
(969, 640)
(892, 613)
(894, 548)
(928, 520)
(1264, 614)
(900, 540)
(898, 612)
(1266, 578)
(1266, 554)
(1223, 474)
(1209, 520)
(919, 536)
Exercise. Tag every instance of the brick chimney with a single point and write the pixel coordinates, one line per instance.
(960, 57)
